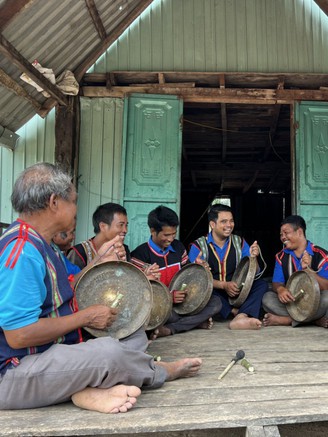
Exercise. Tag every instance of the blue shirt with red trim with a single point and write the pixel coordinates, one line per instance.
(319, 263)
(33, 284)
(169, 260)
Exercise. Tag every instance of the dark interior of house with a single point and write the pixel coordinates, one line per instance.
(241, 153)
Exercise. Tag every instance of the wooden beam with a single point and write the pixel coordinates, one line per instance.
(215, 95)
(13, 86)
(8, 50)
(112, 37)
(94, 14)
(47, 106)
(10, 9)
(161, 78)
(250, 182)
(323, 5)
(167, 85)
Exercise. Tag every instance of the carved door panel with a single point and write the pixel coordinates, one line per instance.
(312, 169)
(152, 160)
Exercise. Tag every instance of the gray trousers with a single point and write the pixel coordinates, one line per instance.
(181, 323)
(272, 304)
(55, 375)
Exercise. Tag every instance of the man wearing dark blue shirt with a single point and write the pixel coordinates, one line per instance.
(224, 252)
(170, 256)
(298, 254)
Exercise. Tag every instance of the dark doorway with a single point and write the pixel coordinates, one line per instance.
(241, 152)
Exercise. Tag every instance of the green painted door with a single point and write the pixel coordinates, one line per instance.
(152, 160)
(312, 169)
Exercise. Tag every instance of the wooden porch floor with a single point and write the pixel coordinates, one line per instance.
(287, 391)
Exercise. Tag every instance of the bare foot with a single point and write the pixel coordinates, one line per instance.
(274, 320)
(323, 322)
(234, 311)
(208, 324)
(152, 335)
(117, 399)
(242, 321)
(163, 331)
(183, 368)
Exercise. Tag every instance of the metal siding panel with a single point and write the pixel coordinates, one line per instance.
(226, 35)
(6, 184)
(199, 35)
(157, 36)
(221, 36)
(209, 37)
(241, 30)
(83, 206)
(118, 151)
(177, 36)
(99, 174)
(167, 32)
(135, 47)
(272, 35)
(188, 36)
(251, 34)
(35, 144)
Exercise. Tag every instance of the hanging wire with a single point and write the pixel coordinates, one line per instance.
(205, 211)
(240, 132)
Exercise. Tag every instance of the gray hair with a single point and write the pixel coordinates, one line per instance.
(35, 185)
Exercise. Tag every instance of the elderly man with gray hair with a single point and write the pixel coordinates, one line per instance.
(42, 358)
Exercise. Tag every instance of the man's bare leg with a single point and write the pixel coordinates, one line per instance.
(184, 368)
(242, 321)
(323, 322)
(274, 320)
(117, 399)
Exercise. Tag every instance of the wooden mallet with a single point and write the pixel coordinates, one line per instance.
(239, 355)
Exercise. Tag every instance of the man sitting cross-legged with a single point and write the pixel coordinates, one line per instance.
(298, 254)
(224, 252)
(43, 359)
(169, 254)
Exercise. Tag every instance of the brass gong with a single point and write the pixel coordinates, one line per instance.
(162, 305)
(102, 283)
(199, 286)
(306, 291)
(244, 277)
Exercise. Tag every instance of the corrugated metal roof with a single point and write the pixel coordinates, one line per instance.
(61, 35)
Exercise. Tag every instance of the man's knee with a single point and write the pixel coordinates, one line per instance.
(106, 347)
(269, 300)
(324, 299)
(215, 304)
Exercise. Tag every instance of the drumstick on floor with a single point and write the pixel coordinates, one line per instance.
(239, 355)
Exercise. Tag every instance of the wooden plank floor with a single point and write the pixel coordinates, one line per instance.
(289, 386)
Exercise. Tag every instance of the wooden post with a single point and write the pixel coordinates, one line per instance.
(67, 131)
